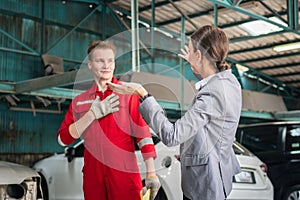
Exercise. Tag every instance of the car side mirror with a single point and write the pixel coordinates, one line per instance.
(70, 153)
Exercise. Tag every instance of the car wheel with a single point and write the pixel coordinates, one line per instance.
(293, 193)
(161, 195)
(44, 188)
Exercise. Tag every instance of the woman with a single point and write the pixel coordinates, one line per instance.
(206, 132)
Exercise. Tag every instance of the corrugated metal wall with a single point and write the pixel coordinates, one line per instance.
(22, 134)
(24, 37)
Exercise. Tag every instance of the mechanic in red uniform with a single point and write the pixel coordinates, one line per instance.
(110, 169)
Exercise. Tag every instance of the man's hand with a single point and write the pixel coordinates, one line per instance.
(153, 184)
(102, 108)
(128, 88)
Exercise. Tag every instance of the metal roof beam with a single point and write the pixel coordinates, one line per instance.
(286, 74)
(18, 41)
(199, 14)
(183, 14)
(249, 20)
(278, 66)
(257, 115)
(86, 1)
(48, 22)
(253, 15)
(270, 57)
(18, 51)
(178, 19)
(82, 75)
(125, 12)
(127, 27)
(158, 4)
(291, 82)
(293, 115)
(263, 76)
(74, 28)
(54, 92)
(293, 14)
(272, 11)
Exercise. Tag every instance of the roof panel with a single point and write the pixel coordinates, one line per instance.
(243, 46)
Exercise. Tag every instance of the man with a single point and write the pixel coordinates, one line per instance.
(110, 169)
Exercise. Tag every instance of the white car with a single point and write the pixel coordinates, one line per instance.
(62, 173)
(252, 182)
(19, 182)
(62, 176)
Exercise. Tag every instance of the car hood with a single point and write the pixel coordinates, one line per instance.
(11, 173)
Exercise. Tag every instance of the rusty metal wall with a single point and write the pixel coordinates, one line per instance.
(22, 132)
(22, 21)
(25, 137)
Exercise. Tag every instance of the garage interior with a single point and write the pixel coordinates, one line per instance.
(43, 53)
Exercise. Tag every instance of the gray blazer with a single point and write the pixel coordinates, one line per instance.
(205, 133)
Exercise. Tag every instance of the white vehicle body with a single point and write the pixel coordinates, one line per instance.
(19, 182)
(63, 179)
(252, 182)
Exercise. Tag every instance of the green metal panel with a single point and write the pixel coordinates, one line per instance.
(22, 132)
(30, 28)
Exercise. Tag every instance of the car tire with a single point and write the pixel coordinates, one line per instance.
(161, 195)
(44, 188)
(292, 193)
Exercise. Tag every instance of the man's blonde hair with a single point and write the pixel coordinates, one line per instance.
(100, 45)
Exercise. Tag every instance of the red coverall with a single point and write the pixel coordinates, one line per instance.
(110, 169)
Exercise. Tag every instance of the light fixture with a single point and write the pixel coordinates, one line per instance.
(260, 27)
(287, 47)
(242, 68)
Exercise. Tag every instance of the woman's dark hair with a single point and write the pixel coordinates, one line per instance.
(213, 44)
(100, 45)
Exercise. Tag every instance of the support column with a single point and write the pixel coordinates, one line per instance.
(152, 37)
(182, 64)
(42, 27)
(135, 36)
(293, 13)
(215, 14)
(103, 22)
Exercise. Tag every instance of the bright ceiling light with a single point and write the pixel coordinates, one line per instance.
(242, 68)
(259, 27)
(287, 47)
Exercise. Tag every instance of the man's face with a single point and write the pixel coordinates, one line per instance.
(102, 64)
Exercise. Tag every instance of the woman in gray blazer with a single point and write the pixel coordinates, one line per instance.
(207, 130)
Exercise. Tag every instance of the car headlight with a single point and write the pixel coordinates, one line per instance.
(28, 189)
(244, 177)
(16, 191)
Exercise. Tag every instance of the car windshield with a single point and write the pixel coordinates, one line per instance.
(240, 150)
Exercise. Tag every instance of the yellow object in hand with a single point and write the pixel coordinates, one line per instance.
(145, 195)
